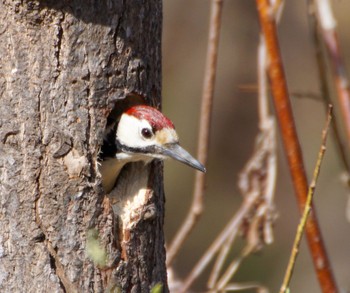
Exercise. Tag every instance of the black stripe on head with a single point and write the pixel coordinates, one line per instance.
(152, 149)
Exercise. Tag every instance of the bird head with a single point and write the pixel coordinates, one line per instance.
(144, 133)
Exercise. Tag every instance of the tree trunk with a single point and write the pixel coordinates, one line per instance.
(64, 65)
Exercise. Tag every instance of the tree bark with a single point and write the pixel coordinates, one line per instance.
(64, 65)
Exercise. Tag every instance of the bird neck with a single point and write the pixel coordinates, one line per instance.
(111, 167)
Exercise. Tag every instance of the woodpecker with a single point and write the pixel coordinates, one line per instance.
(142, 134)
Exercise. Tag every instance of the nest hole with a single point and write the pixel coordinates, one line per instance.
(109, 148)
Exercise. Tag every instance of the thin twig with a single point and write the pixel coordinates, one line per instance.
(231, 270)
(328, 25)
(220, 260)
(322, 71)
(263, 86)
(246, 286)
(266, 126)
(231, 228)
(266, 121)
(252, 88)
(292, 146)
(204, 131)
(308, 207)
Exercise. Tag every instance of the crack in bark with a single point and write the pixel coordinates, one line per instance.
(121, 18)
(41, 159)
(116, 33)
(38, 178)
(58, 44)
(54, 268)
(55, 264)
(92, 170)
(8, 134)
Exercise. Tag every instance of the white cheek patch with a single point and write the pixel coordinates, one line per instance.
(129, 133)
(129, 129)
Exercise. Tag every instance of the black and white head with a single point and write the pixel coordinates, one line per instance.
(144, 133)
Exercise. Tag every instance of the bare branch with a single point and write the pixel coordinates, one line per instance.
(204, 131)
(220, 260)
(308, 207)
(246, 286)
(291, 145)
(231, 228)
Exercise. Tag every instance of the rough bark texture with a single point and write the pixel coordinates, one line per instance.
(63, 65)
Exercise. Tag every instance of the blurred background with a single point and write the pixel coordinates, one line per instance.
(233, 131)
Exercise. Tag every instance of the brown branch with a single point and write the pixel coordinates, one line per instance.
(308, 206)
(204, 131)
(292, 147)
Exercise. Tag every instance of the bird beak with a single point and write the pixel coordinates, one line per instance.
(176, 152)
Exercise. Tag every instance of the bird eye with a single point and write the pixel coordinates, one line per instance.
(146, 132)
